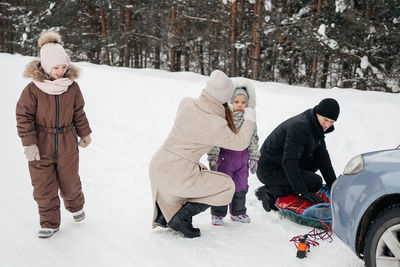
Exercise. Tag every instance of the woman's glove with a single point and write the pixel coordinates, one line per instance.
(249, 114)
(253, 165)
(32, 152)
(85, 141)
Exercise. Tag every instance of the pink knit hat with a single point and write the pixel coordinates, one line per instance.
(51, 51)
(219, 86)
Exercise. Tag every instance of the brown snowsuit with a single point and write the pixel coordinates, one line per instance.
(52, 122)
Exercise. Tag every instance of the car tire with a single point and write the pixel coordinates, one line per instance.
(383, 239)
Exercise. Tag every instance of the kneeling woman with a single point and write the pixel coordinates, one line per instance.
(181, 186)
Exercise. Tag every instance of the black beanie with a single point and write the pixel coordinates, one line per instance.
(329, 108)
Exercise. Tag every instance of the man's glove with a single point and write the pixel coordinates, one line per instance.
(85, 141)
(311, 197)
(212, 162)
(32, 152)
(253, 165)
(327, 187)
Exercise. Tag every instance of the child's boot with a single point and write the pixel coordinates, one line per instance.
(243, 218)
(217, 214)
(79, 215)
(46, 232)
(238, 207)
(217, 220)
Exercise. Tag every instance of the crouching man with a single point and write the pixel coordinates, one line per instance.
(293, 152)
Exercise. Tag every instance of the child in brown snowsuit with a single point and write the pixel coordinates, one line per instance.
(50, 117)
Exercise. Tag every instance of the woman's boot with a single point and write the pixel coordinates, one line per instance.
(160, 220)
(182, 220)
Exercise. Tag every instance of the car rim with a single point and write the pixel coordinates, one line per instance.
(388, 248)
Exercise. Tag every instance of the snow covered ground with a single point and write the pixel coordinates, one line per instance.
(131, 112)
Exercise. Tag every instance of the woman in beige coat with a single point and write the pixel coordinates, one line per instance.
(181, 186)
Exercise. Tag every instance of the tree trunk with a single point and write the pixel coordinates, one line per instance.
(10, 38)
(128, 23)
(98, 53)
(247, 63)
(187, 59)
(368, 9)
(291, 70)
(187, 48)
(110, 31)
(314, 69)
(122, 22)
(257, 38)
(240, 29)
(288, 7)
(313, 78)
(325, 71)
(1, 32)
(94, 57)
(275, 53)
(142, 55)
(146, 56)
(233, 40)
(157, 52)
(104, 31)
(136, 54)
(319, 8)
(173, 56)
(201, 58)
(178, 60)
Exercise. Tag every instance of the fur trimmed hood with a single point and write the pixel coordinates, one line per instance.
(242, 82)
(35, 71)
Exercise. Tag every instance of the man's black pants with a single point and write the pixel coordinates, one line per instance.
(278, 184)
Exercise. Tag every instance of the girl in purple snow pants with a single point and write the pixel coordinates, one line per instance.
(236, 164)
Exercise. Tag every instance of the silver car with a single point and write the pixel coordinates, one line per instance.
(365, 203)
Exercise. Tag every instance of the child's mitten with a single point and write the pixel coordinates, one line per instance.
(253, 165)
(32, 152)
(85, 141)
(212, 162)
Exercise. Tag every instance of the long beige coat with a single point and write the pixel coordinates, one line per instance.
(176, 174)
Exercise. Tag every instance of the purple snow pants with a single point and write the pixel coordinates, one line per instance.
(234, 164)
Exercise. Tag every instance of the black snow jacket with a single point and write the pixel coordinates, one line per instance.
(293, 141)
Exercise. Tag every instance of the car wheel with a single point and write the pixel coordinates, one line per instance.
(382, 245)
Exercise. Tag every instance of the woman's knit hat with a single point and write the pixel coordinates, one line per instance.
(328, 108)
(219, 86)
(51, 51)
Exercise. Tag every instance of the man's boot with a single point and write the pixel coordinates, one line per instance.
(265, 195)
(182, 220)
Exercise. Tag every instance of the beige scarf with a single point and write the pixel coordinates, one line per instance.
(56, 87)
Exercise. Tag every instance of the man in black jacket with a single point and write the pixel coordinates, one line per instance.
(293, 152)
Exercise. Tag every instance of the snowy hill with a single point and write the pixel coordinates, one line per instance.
(131, 112)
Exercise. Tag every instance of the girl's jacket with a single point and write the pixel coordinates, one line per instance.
(52, 122)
